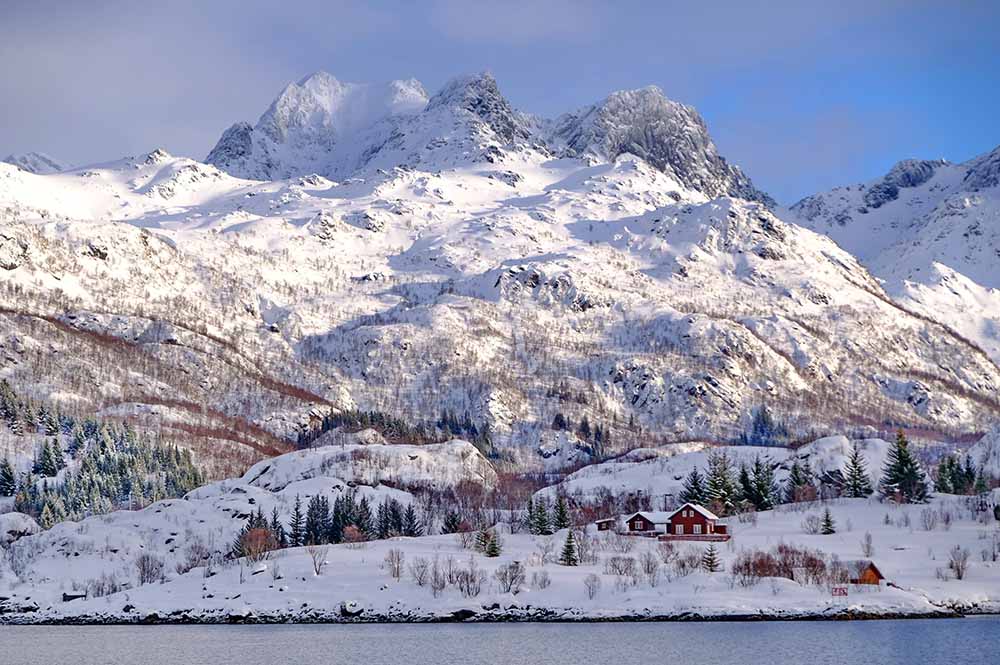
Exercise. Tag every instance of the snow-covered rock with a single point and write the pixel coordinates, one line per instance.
(36, 162)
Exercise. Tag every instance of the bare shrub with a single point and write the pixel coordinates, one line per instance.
(317, 554)
(619, 543)
(649, 563)
(150, 568)
(546, 547)
(196, 553)
(686, 563)
(586, 547)
(540, 579)
(619, 565)
(466, 539)
(420, 570)
(667, 551)
(510, 577)
(928, 519)
(867, 546)
(592, 583)
(958, 561)
(105, 585)
(812, 524)
(394, 562)
(256, 544)
(438, 578)
(470, 580)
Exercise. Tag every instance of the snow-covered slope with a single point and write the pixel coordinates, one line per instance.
(457, 261)
(36, 162)
(931, 230)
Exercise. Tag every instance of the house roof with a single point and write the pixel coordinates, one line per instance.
(861, 564)
(708, 514)
(654, 516)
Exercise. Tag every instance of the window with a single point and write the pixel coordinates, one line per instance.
(679, 529)
(697, 529)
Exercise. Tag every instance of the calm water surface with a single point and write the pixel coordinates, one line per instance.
(974, 641)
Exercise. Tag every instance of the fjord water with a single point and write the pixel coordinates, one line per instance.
(972, 641)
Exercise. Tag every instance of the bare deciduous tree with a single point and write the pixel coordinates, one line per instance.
(592, 583)
(958, 561)
(510, 577)
(317, 554)
(394, 562)
(150, 568)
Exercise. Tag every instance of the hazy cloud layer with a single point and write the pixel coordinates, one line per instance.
(803, 95)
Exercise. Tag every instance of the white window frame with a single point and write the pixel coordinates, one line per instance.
(696, 530)
(678, 529)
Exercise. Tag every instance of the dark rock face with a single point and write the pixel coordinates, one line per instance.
(234, 147)
(907, 173)
(480, 96)
(984, 172)
(668, 135)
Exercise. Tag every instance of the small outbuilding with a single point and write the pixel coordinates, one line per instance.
(606, 524)
(647, 523)
(863, 571)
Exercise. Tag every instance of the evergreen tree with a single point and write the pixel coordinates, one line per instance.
(764, 488)
(317, 519)
(278, 529)
(47, 520)
(297, 525)
(980, 486)
(943, 482)
(411, 525)
(542, 526)
(483, 538)
(561, 519)
(710, 559)
(902, 477)
(492, 548)
(720, 489)
(799, 480)
(828, 526)
(452, 522)
(857, 482)
(363, 519)
(694, 488)
(746, 484)
(8, 481)
(569, 556)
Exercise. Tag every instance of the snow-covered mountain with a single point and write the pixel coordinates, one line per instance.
(931, 230)
(36, 162)
(415, 255)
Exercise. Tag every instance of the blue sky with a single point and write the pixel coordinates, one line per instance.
(803, 95)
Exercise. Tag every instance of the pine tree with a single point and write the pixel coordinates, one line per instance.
(47, 519)
(721, 491)
(764, 488)
(710, 559)
(411, 525)
(828, 526)
(569, 556)
(452, 522)
(8, 481)
(694, 488)
(483, 538)
(542, 527)
(857, 482)
(296, 527)
(902, 477)
(278, 529)
(363, 520)
(492, 548)
(561, 520)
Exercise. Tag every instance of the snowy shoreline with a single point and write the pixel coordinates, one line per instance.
(490, 614)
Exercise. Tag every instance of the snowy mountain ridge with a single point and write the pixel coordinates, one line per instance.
(457, 255)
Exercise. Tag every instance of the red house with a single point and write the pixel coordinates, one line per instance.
(694, 522)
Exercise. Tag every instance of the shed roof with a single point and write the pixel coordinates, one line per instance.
(708, 514)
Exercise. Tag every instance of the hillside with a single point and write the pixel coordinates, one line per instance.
(446, 253)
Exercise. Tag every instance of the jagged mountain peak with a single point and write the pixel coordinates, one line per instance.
(669, 135)
(36, 162)
(479, 95)
(983, 171)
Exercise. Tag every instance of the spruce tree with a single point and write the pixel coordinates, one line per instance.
(363, 519)
(857, 482)
(492, 548)
(411, 525)
(483, 538)
(694, 488)
(828, 526)
(452, 522)
(296, 526)
(569, 555)
(542, 527)
(710, 559)
(764, 489)
(902, 477)
(561, 520)
(721, 490)
(278, 529)
(8, 481)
